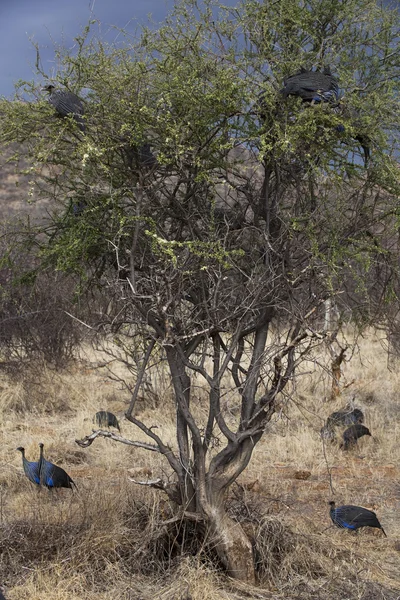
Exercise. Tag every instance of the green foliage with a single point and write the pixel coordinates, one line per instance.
(203, 91)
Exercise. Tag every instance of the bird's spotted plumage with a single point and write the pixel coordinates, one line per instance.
(311, 86)
(353, 517)
(104, 418)
(345, 417)
(67, 103)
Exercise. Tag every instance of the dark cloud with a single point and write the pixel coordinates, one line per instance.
(47, 22)
(60, 21)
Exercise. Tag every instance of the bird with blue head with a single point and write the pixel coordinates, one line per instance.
(31, 469)
(316, 87)
(52, 476)
(353, 517)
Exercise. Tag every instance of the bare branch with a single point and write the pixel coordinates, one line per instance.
(79, 320)
(162, 448)
(140, 377)
(171, 489)
(89, 439)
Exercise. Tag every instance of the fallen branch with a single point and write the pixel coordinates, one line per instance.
(89, 439)
(185, 515)
(158, 483)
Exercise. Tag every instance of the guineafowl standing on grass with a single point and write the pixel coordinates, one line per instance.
(341, 417)
(352, 434)
(51, 475)
(345, 417)
(353, 517)
(31, 469)
(104, 418)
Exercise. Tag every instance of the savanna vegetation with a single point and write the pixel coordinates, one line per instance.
(223, 250)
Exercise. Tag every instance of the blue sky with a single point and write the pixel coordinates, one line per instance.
(61, 21)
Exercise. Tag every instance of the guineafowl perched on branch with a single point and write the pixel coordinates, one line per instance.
(31, 469)
(104, 418)
(312, 86)
(353, 517)
(66, 103)
(352, 434)
(51, 475)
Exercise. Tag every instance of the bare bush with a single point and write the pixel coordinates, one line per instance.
(35, 321)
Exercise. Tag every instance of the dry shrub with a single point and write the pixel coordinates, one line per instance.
(167, 540)
(34, 319)
(88, 530)
(13, 398)
(97, 533)
(113, 539)
(284, 556)
(36, 388)
(193, 580)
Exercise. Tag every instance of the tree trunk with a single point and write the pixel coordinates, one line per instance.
(336, 366)
(232, 545)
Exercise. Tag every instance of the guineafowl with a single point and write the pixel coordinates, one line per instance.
(104, 418)
(51, 475)
(352, 434)
(311, 86)
(31, 469)
(66, 103)
(345, 417)
(353, 517)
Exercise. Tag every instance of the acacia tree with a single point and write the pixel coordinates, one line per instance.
(220, 217)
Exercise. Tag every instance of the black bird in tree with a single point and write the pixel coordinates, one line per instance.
(138, 156)
(351, 115)
(104, 418)
(315, 87)
(353, 517)
(312, 86)
(31, 469)
(67, 103)
(352, 434)
(51, 475)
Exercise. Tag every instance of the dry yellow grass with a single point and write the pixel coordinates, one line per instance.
(107, 540)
